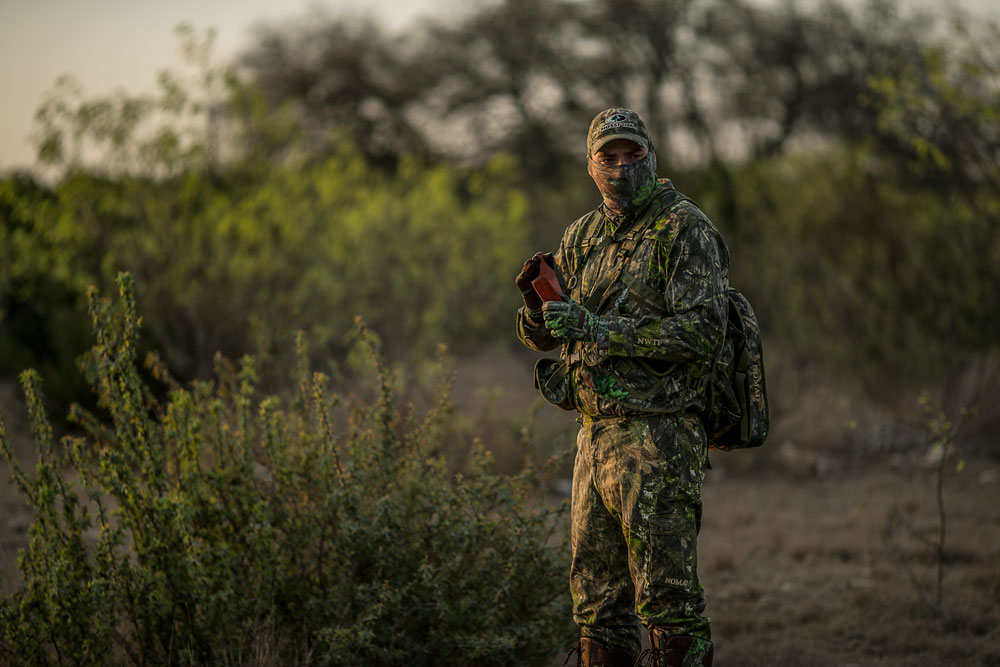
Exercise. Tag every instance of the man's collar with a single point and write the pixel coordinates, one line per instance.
(615, 218)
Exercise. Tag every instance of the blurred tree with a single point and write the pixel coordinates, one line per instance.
(944, 110)
(725, 78)
(506, 80)
(41, 287)
(797, 71)
(944, 107)
(343, 74)
(178, 128)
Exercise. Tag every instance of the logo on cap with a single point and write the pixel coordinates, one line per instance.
(623, 123)
(616, 122)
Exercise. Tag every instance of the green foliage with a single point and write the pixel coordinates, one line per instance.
(859, 270)
(42, 321)
(223, 527)
(424, 254)
(945, 107)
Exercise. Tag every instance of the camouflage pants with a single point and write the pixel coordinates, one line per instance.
(636, 513)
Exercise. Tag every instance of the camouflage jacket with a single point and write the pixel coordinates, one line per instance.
(667, 298)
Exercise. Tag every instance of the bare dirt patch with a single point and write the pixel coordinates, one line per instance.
(814, 572)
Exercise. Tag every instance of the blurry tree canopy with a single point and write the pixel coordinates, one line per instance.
(944, 109)
(717, 79)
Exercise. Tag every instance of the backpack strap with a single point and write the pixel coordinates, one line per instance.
(740, 371)
(582, 244)
(599, 295)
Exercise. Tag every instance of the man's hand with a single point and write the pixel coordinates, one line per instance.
(570, 320)
(528, 273)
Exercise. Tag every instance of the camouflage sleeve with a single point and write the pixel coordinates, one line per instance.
(532, 332)
(696, 264)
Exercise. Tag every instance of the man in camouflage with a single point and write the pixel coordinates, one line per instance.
(645, 277)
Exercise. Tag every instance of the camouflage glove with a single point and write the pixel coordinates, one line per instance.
(570, 320)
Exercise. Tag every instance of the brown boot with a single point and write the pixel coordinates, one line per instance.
(593, 653)
(679, 651)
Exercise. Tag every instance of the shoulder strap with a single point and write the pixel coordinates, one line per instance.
(628, 240)
(582, 240)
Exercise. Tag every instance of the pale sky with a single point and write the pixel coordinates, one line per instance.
(123, 44)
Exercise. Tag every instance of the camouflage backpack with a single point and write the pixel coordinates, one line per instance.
(736, 414)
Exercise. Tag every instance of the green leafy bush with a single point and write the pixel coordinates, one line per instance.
(425, 254)
(220, 527)
(857, 270)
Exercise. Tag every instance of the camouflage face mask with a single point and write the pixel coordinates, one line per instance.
(625, 187)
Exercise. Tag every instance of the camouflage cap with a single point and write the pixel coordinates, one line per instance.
(616, 123)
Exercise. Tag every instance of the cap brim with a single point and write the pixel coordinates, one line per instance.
(631, 136)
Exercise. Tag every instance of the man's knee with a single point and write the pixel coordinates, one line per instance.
(668, 562)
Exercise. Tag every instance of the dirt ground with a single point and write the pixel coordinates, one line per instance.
(810, 571)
